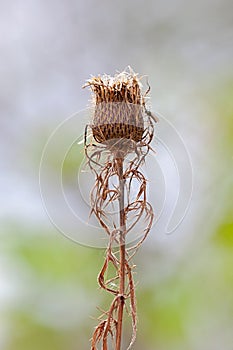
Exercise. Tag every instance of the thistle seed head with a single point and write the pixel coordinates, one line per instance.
(118, 107)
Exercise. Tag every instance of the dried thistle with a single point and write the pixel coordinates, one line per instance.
(121, 130)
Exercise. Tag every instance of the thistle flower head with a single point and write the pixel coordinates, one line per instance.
(118, 107)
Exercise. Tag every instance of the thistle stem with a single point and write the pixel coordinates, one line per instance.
(119, 163)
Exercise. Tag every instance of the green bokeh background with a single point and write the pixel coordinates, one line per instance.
(48, 288)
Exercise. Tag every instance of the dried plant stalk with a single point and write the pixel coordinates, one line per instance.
(122, 129)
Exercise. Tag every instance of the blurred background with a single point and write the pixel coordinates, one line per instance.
(48, 288)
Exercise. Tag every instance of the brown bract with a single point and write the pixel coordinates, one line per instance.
(118, 104)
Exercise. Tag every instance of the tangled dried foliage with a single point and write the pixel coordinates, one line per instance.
(122, 130)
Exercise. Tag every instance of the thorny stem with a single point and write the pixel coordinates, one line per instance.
(119, 163)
